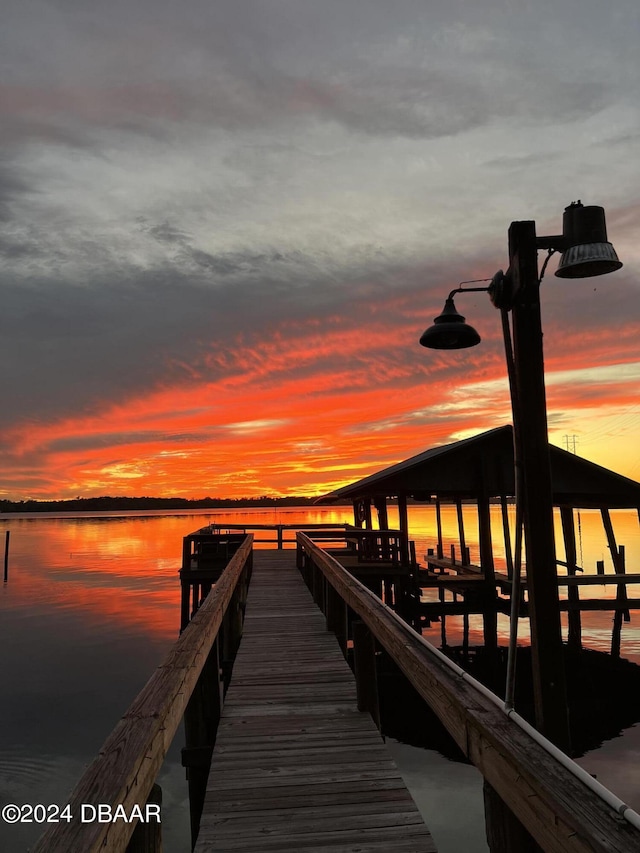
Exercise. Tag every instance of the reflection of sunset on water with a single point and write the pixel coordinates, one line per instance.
(122, 571)
(125, 569)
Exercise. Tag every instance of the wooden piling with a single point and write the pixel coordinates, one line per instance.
(490, 617)
(364, 656)
(508, 554)
(6, 556)
(574, 638)
(201, 719)
(619, 615)
(463, 542)
(617, 557)
(505, 833)
(440, 547)
(147, 836)
(383, 516)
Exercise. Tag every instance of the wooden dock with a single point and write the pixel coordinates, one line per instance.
(296, 766)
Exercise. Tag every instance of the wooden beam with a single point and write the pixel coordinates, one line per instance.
(574, 638)
(440, 546)
(489, 594)
(617, 556)
(383, 516)
(507, 535)
(463, 542)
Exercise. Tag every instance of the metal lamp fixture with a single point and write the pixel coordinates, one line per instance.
(586, 250)
(449, 330)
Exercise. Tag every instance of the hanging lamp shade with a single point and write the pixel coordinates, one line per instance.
(449, 330)
(588, 251)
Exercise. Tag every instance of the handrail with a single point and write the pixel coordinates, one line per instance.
(278, 528)
(557, 808)
(128, 763)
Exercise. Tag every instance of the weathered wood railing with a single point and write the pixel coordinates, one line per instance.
(553, 808)
(283, 534)
(126, 768)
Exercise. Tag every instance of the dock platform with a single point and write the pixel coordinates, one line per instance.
(296, 767)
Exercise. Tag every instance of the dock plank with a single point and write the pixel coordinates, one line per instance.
(296, 766)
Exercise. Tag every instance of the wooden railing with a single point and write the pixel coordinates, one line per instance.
(284, 534)
(126, 768)
(546, 804)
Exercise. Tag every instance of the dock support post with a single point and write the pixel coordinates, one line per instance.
(364, 657)
(440, 548)
(617, 557)
(147, 837)
(201, 719)
(461, 536)
(508, 553)
(6, 556)
(489, 596)
(621, 596)
(332, 609)
(505, 833)
(381, 507)
(574, 639)
(335, 610)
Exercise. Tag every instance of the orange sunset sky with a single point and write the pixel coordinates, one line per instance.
(224, 228)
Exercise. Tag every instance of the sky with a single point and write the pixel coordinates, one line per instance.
(225, 225)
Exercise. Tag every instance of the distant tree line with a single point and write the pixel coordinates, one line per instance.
(108, 504)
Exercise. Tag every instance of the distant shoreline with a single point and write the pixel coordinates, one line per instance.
(125, 504)
(109, 504)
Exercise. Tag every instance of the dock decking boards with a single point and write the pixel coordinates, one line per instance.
(296, 766)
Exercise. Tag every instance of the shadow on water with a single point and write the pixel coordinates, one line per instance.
(603, 694)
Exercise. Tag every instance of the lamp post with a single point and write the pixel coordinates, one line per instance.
(586, 252)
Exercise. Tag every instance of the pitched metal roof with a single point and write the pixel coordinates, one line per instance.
(484, 463)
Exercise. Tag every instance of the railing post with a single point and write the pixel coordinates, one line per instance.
(201, 719)
(505, 833)
(331, 612)
(342, 623)
(364, 657)
(147, 836)
(316, 579)
(184, 604)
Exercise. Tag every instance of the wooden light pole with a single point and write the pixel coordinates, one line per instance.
(530, 425)
(586, 252)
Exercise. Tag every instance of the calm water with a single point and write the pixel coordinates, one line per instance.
(92, 607)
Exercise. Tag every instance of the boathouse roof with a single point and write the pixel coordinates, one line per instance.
(485, 464)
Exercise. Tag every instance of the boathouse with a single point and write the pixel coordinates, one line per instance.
(480, 470)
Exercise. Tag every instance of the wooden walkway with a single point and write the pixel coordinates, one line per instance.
(296, 766)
